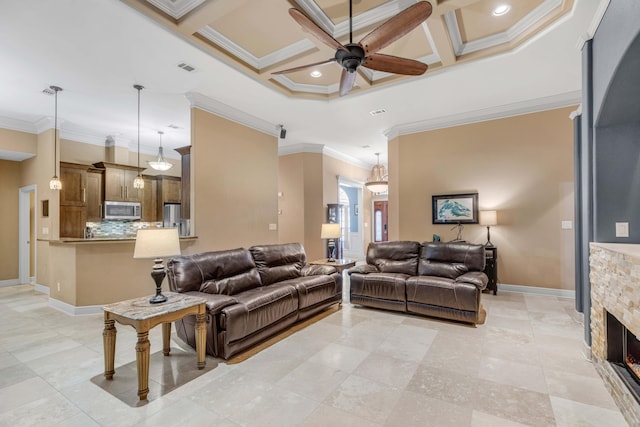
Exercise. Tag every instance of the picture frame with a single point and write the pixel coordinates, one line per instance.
(454, 208)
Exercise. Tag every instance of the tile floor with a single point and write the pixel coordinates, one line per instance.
(352, 367)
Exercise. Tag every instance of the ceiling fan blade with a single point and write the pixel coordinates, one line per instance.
(313, 28)
(396, 27)
(394, 64)
(346, 82)
(304, 67)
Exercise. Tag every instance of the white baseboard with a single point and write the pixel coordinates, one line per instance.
(42, 289)
(10, 282)
(73, 310)
(561, 293)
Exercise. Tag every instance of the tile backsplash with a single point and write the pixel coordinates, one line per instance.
(118, 229)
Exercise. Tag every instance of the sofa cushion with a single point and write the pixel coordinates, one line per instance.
(450, 259)
(388, 286)
(313, 289)
(443, 292)
(190, 272)
(278, 262)
(394, 257)
(256, 309)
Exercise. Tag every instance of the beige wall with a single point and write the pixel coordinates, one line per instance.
(10, 179)
(21, 142)
(235, 183)
(521, 166)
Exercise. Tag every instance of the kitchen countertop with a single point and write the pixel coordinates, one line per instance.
(104, 240)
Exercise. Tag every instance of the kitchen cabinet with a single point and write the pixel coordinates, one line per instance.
(73, 198)
(118, 182)
(149, 199)
(73, 220)
(74, 184)
(169, 189)
(94, 195)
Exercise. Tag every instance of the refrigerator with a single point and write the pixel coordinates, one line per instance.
(171, 215)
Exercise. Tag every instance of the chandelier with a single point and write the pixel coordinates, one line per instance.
(160, 163)
(377, 181)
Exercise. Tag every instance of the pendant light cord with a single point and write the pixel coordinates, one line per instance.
(55, 136)
(139, 88)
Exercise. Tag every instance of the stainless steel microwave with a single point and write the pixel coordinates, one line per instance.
(122, 210)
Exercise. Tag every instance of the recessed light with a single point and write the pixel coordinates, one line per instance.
(501, 10)
(316, 74)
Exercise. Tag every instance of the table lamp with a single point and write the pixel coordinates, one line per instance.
(157, 243)
(331, 232)
(488, 218)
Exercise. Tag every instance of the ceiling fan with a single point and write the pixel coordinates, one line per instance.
(353, 55)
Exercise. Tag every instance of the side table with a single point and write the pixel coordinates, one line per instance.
(491, 268)
(143, 316)
(339, 264)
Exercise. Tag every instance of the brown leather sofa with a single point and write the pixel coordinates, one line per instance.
(251, 294)
(434, 279)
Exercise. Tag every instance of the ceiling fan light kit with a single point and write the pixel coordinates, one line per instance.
(353, 55)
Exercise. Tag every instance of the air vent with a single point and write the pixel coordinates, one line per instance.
(174, 126)
(48, 91)
(377, 112)
(186, 67)
(366, 146)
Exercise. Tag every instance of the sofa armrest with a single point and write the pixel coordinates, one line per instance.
(477, 278)
(215, 302)
(363, 269)
(317, 270)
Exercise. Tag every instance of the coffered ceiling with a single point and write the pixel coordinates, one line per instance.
(219, 55)
(259, 37)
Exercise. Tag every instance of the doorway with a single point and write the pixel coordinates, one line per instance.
(26, 234)
(380, 220)
(350, 197)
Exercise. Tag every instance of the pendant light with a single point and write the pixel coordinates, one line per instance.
(138, 182)
(377, 182)
(160, 163)
(55, 183)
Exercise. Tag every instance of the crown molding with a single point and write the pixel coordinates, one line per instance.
(509, 35)
(346, 158)
(198, 100)
(176, 8)
(18, 125)
(303, 87)
(595, 23)
(486, 114)
(297, 48)
(15, 156)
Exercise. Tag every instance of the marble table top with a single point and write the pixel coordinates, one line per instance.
(141, 308)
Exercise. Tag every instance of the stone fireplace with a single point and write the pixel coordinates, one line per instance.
(615, 322)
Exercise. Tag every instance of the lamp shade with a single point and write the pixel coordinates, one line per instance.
(157, 243)
(330, 231)
(488, 218)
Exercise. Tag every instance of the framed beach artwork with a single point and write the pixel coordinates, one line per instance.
(455, 208)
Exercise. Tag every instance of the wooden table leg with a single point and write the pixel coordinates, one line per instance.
(142, 359)
(201, 339)
(166, 338)
(109, 344)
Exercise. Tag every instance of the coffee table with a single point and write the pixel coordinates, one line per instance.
(143, 316)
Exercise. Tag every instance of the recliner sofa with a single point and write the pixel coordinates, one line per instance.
(251, 294)
(433, 279)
